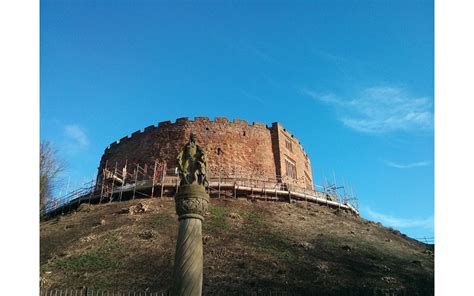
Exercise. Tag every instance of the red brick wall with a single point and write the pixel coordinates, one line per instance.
(296, 154)
(247, 149)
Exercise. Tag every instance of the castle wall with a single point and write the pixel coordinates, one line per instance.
(287, 148)
(247, 150)
(233, 146)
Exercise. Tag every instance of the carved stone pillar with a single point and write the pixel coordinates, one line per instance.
(191, 204)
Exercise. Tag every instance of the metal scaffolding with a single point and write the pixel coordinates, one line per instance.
(134, 180)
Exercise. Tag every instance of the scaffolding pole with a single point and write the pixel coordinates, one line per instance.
(153, 181)
(163, 173)
(136, 178)
(113, 183)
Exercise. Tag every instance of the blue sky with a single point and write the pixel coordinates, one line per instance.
(352, 80)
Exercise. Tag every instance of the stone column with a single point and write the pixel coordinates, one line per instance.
(191, 204)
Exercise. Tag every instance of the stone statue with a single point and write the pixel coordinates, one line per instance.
(191, 205)
(192, 164)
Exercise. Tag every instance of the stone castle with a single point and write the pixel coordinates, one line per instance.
(233, 148)
(243, 160)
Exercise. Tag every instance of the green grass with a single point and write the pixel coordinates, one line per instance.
(264, 239)
(331, 242)
(103, 257)
(253, 220)
(217, 221)
(88, 262)
(162, 219)
(217, 212)
(276, 245)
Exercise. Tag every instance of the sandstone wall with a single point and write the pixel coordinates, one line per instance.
(235, 147)
(288, 148)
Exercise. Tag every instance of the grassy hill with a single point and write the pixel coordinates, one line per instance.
(301, 247)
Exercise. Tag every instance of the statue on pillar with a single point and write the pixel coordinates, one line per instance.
(192, 164)
(191, 205)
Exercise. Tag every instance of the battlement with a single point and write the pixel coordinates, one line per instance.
(204, 120)
(277, 125)
(149, 128)
(240, 122)
(182, 120)
(250, 149)
(222, 120)
(165, 123)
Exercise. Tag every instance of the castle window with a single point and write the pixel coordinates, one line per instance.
(289, 145)
(291, 169)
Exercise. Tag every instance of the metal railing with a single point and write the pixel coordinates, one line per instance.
(426, 240)
(144, 182)
(69, 198)
(245, 292)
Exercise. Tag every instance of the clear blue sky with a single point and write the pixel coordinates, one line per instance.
(352, 80)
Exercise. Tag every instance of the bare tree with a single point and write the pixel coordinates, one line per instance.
(50, 168)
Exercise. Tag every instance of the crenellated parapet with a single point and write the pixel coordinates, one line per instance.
(294, 138)
(233, 146)
(185, 120)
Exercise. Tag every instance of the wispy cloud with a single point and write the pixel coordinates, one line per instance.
(396, 222)
(254, 50)
(326, 55)
(380, 109)
(263, 55)
(252, 97)
(77, 135)
(407, 165)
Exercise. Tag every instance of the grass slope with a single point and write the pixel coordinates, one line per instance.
(301, 247)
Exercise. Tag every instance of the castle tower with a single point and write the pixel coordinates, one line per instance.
(234, 149)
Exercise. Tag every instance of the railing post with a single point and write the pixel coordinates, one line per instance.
(163, 172)
(124, 176)
(79, 199)
(113, 183)
(251, 189)
(65, 196)
(219, 186)
(72, 196)
(102, 185)
(153, 181)
(264, 190)
(94, 184)
(136, 178)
